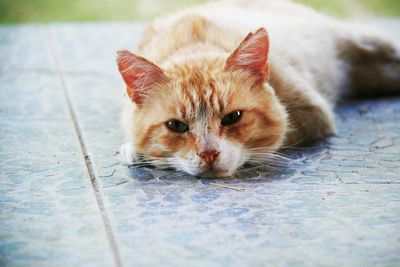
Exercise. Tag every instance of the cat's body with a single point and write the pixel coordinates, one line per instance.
(205, 73)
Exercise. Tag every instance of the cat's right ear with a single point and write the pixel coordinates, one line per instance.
(139, 74)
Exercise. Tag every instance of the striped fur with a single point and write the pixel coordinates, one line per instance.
(199, 65)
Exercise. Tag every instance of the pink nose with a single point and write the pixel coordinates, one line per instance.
(209, 155)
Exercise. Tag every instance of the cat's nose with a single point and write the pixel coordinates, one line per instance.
(209, 155)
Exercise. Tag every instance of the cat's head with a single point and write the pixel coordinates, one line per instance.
(205, 115)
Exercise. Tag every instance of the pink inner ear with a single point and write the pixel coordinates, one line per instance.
(139, 74)
(252, 55)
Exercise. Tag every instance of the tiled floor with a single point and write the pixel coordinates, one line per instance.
(66, 201)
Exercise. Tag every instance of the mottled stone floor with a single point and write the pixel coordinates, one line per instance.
(66, 201)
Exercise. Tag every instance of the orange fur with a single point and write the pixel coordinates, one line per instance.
(207, 89)
(197, 71)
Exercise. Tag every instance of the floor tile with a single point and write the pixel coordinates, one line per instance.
(49, 215)
(24, 47)
(334, 204)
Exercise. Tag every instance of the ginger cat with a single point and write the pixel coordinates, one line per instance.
(206, 96)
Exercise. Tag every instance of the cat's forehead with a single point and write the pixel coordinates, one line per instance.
(202, 93)
(197, 92)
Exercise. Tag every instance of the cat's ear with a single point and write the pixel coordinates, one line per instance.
(252, 55)
(139, 74)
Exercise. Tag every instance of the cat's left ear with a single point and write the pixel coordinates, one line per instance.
(252, 55)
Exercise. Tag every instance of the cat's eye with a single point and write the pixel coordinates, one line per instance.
(231, 118)
(177, 126)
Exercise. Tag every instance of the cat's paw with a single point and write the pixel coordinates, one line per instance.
(128, 153)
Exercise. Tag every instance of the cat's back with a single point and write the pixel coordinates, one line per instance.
(246, 15)
(300, 38)
(285, 21)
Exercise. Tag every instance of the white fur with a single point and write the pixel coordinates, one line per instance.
(306, 67)
(128, 154)
(231, 157)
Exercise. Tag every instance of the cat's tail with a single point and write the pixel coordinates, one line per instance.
(372, 61)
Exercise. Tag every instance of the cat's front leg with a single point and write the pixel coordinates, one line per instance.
(311, 116)
(128, 153)
(309, 123)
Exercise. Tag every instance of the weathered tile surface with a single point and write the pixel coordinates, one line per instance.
(48, 210)
(336, 204)
(23, 47)
(95, 45)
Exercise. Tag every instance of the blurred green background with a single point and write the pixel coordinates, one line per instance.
(15, 11)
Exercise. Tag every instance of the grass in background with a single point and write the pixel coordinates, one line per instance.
(348, 8)
(335, 7)
(12, 11)
(384, 7)
(87, 10)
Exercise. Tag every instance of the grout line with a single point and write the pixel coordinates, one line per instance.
(88, 160)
